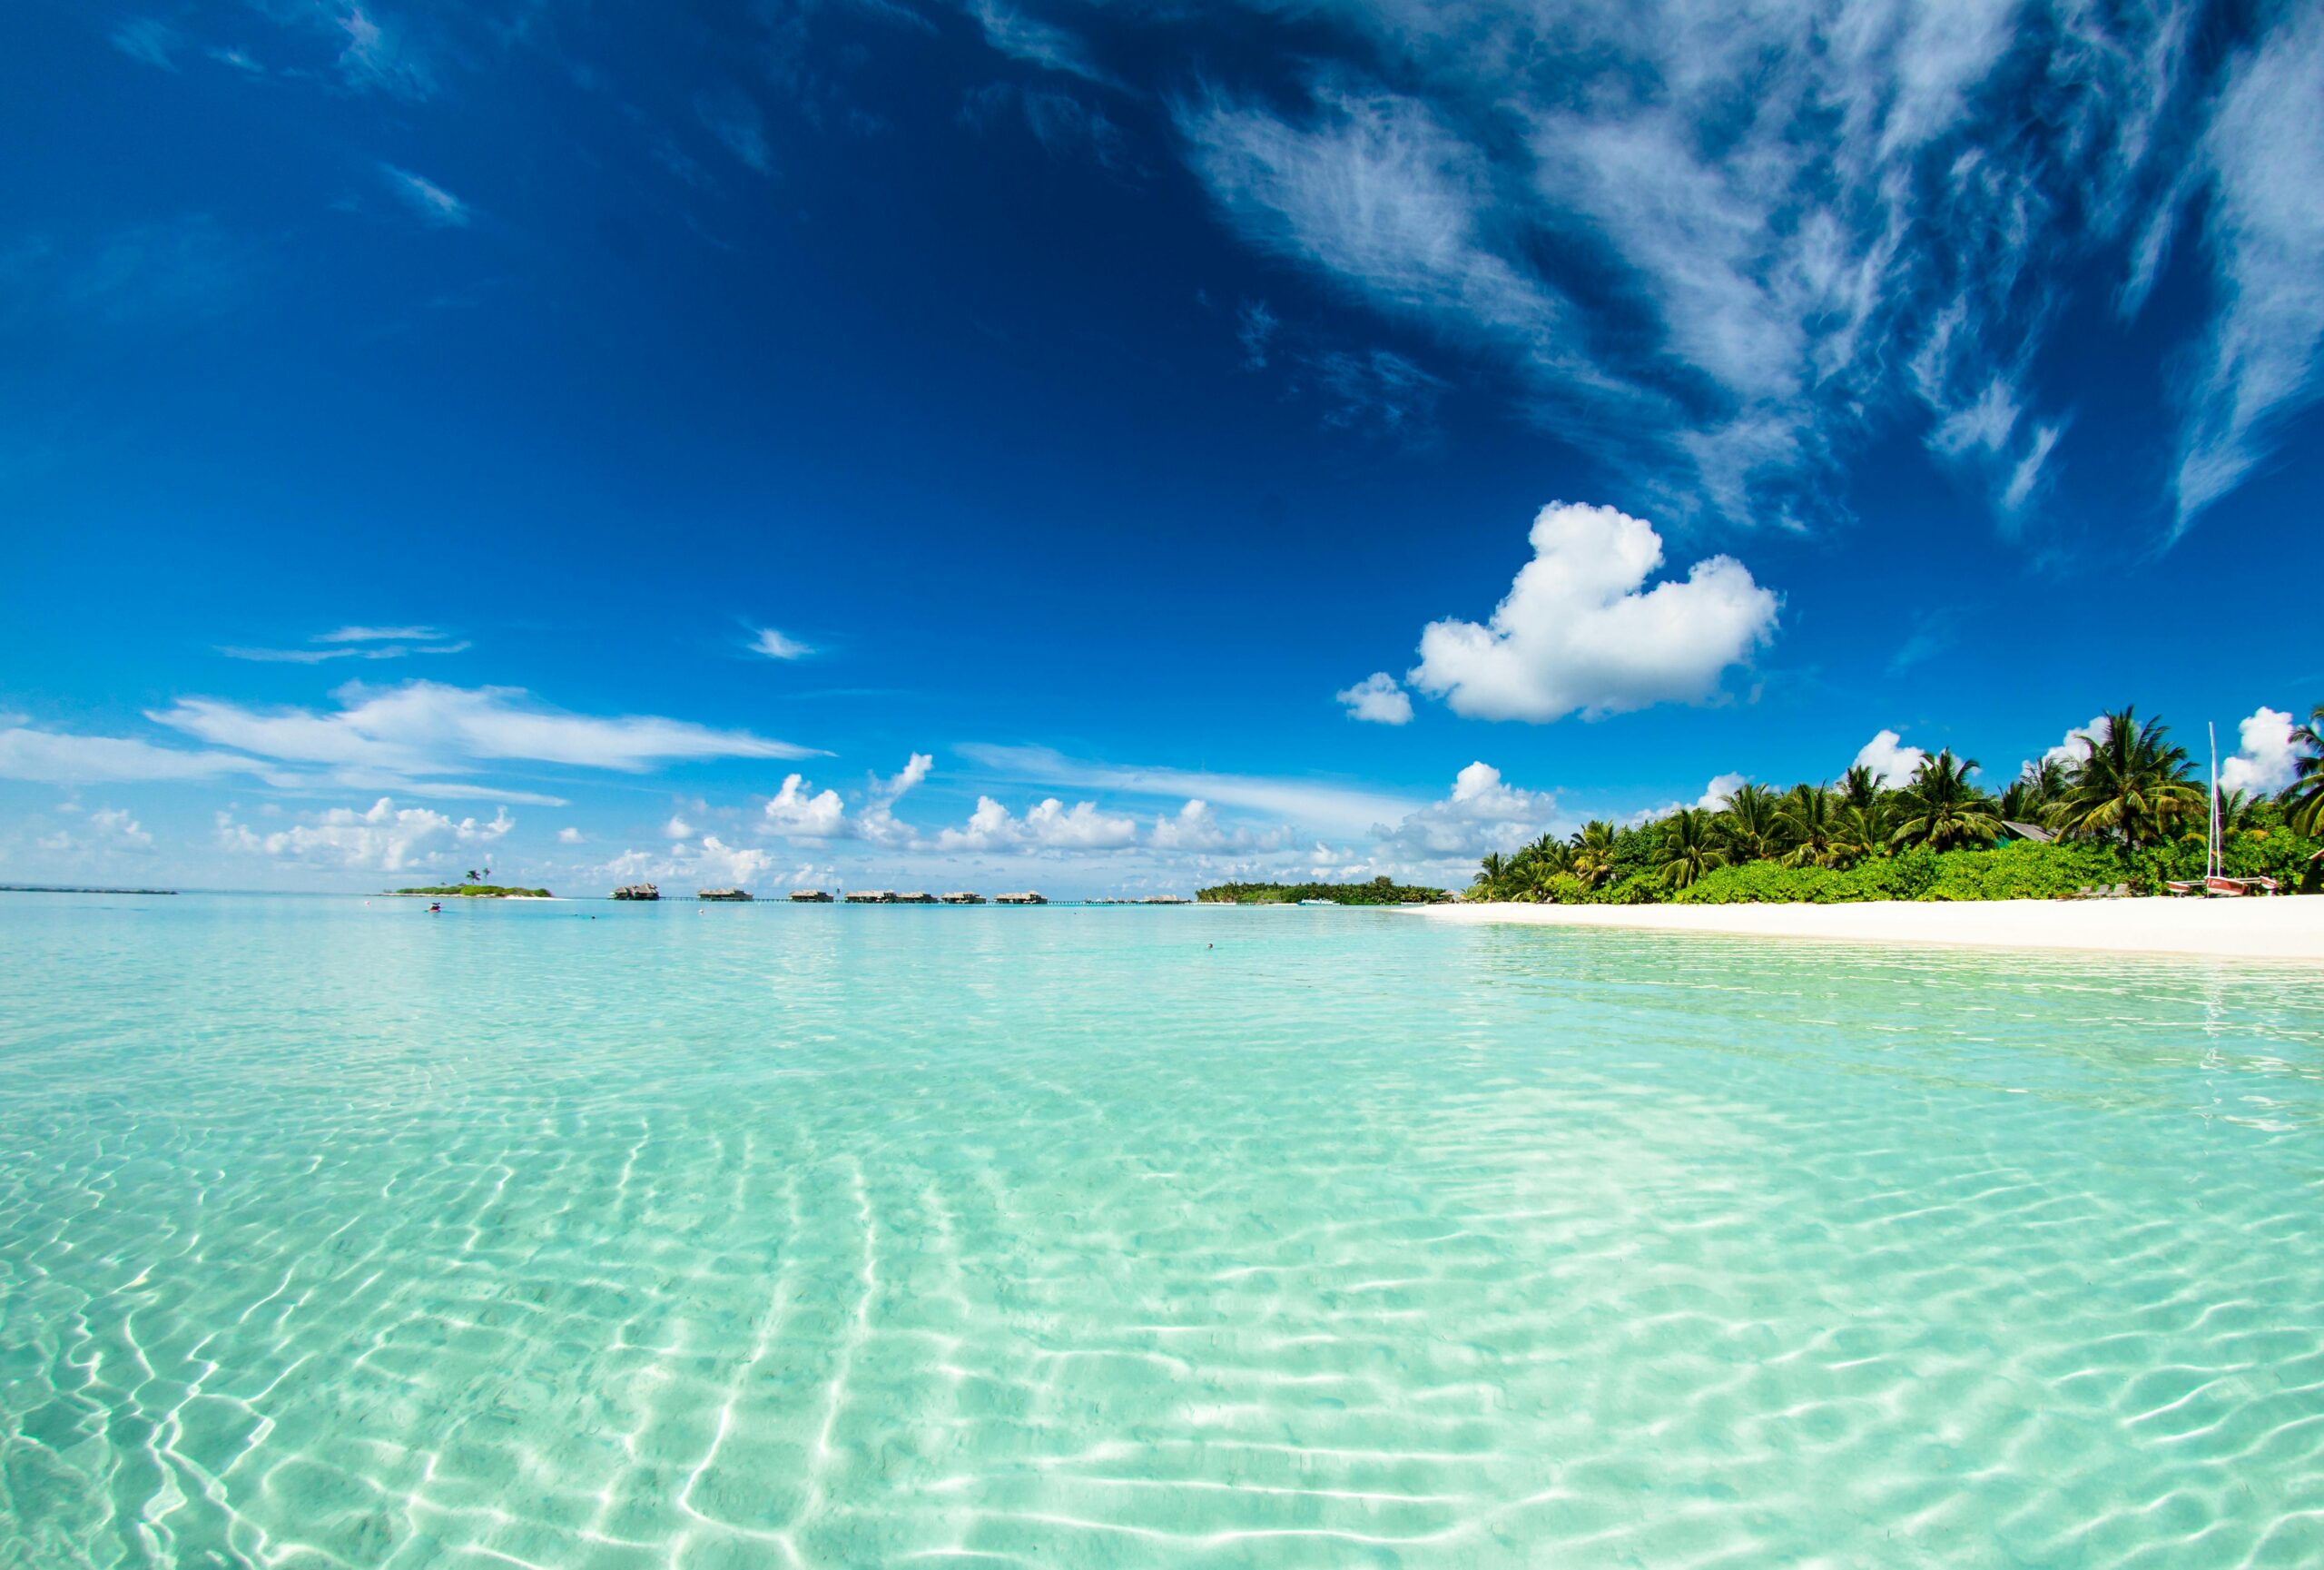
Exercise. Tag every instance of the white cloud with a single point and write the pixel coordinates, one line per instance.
(2077, 743)
(1377, 698)
(1048, 826)
(434, 204)
(144, 38)
(568, 836)
(1482, 814)
(1891, 761)
(1772, 206)
(877, 822)
(1196, 829)
(2265, 154)
(106, 832)
(381, 635)
(1036, 41)
(677, 828)
(426, 728)
(730, 866)
(1305, 803)
(777, 646)
(1580, 632)
(1721, 790)
(729, 114)
(357, 643)
(385, 838)
(2268, 757)
(794, 813)
(54, 757)
(376, 58)
(1386, 199)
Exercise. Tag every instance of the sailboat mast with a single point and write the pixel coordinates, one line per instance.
(2211, 833)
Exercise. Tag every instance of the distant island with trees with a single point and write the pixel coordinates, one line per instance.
(1378, 892)
(2127, 814)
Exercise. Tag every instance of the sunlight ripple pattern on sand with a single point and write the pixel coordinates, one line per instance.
(338, 1235)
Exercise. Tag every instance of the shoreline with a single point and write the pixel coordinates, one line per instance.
(2282, 927)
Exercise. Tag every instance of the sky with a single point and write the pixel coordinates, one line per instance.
(1115, 449)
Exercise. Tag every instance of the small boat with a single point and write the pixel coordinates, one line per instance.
(1327, 904)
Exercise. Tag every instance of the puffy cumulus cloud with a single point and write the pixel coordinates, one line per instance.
(794, 813)
(107, 831)
(1483, 812)
(1049, 825)
(2077, 743)
(877, 822)
(1579, 632)
(1379, 698)
(1889, 760)
(1721, 791)
(1195, 828)
(2268, 757)
(677, 828)
(424, 727)
(386, 838)
(568, 836)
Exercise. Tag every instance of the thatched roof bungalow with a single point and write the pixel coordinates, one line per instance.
(963, 897)
(1026, 898)
(810, 897)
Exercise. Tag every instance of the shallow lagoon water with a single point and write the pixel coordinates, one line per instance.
(335, 1234)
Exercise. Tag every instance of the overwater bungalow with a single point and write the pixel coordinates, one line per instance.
(810, 897)
(637, 891)
(1026, 898)
(916, 898)
(1165, 900)
(872, 897)
(963, 897)
(731, 895)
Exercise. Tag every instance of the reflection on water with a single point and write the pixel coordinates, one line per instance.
(331, 1234)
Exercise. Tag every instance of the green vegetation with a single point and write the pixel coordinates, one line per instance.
(2130, 813)
(1378, 892)
(477, 891)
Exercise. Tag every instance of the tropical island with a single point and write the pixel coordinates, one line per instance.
(1378, 892)
(2126, 816)
(476, 892)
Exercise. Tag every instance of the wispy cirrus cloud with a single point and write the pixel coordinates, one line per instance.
(1728, 245)
(2264, 153)
(355, 643)
(424, 727)
(1319, 805)
(434, 205)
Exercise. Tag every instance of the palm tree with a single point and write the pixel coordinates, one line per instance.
(2130, 786)
(1491, 873)
(1860, 787)
(1690, 847)
(1548, 855)
(1942, 810)
(1750, 821)
(2303, 799)
(472, 876)
(1858, 832)
(1808, 817)
(1591, 853)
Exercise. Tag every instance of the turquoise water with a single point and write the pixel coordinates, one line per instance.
(341, 1235)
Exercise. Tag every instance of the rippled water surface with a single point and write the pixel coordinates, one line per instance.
(580, 1235)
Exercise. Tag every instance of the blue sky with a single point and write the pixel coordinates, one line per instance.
(1118, 447)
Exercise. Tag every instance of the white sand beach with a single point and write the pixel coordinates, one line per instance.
(2287, 927)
